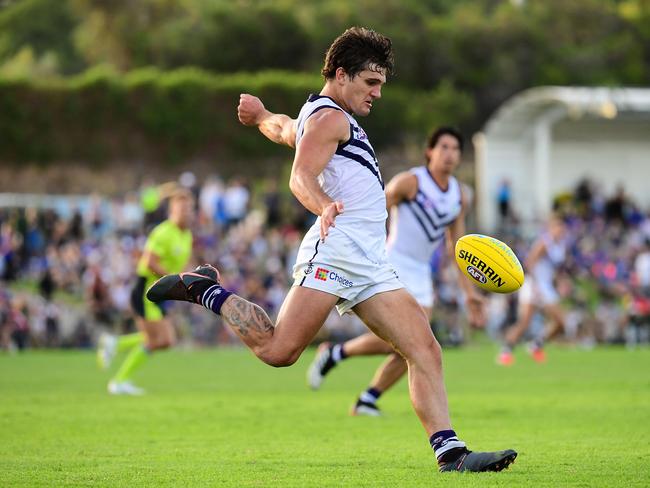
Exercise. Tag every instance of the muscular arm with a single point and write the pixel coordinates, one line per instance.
(323, 132)
(278, 128)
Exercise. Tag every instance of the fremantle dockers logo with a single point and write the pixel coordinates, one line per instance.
(476, 274)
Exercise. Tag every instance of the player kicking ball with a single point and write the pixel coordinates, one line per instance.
(426, 204)
(342, 259)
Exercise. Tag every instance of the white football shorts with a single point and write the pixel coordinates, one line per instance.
(538, 292)
(415, 275)
(339, 266)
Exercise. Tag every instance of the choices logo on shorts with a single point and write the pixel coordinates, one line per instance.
(321, 274)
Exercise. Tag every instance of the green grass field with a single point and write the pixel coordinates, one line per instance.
(221, 418)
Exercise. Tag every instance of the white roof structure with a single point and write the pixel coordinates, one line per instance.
(545, 140)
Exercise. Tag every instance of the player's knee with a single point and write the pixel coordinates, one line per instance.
(279, 360)
(427, 354)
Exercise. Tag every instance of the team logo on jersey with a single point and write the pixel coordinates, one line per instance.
(309, 269)
(362, 135)
(426, 202)
(321, 274)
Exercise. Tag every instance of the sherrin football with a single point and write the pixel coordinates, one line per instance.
(489, 263)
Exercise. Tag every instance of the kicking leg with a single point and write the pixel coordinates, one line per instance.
(303, 312)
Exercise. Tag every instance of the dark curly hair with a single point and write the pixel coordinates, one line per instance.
(357, 49)
(442, 131)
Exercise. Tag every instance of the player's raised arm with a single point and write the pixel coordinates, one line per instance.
(279, 128)
(323, 133)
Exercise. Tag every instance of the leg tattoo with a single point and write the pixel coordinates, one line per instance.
(244, 316)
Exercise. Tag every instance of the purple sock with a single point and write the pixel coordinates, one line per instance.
(214, 297)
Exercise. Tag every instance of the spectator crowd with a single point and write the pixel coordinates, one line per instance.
(66, 270)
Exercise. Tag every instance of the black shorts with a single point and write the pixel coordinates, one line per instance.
(143, 307)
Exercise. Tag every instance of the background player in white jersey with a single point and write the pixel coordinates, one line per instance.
(342, 259)
(546, 256)
(427, 206)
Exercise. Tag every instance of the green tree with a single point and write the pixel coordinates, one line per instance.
(43, 27)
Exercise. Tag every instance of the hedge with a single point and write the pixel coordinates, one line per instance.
(174, 116)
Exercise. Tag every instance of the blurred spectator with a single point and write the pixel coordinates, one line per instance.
(642, 266)
(209, 200)
(583, 197)
(18, 323)
(52, 316)
(46, 285)
(604, 285)
(504, 197)
(272, 203)
(616, 207)
(235, 201)
(128, 214)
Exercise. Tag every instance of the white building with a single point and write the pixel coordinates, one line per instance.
(545, 140)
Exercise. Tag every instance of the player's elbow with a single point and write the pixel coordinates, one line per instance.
(293, 184)
(296, 184)
(289, 135)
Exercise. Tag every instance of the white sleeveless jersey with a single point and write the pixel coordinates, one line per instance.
(544, 269)
(418, 226)
(353, 177)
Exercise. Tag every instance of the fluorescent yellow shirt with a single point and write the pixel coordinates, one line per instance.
(172, 245)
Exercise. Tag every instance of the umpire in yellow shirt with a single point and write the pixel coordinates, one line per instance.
(168, 250)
